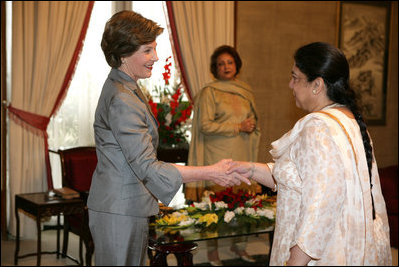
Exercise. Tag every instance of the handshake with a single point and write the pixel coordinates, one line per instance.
(229, 173)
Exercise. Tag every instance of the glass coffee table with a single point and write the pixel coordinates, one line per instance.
(181, 242)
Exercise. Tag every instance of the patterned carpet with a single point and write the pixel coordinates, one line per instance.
(261, 260)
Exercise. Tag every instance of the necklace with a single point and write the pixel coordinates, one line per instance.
(333, 105)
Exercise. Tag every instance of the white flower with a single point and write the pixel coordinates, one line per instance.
(268, 213)
(168, 119)
(201, 205)
(165, 99)
(186, 123)
(188, 221)
(177, 214)
(207, 193)
(207, 200)
(228, 216)
(221, 205)
(239, 210)
(250, 211)
(250, 202)
(187, 231)
(185, 212)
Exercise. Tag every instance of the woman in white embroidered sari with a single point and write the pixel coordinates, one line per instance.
(330, 209)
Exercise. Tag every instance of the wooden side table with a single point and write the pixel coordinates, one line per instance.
(42, 205)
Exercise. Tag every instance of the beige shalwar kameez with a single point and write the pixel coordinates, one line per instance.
(219, 109)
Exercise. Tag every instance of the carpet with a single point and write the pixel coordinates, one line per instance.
(261, 260)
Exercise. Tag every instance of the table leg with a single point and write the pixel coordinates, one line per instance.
(58, 236)
(182, 253)
(159, 259)
(184, 259)
(39, 239)
(17, 237)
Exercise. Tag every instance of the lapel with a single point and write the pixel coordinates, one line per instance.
(132, 86)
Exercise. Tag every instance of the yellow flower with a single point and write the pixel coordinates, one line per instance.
(209, 218)
(261, 197)
(172, 219)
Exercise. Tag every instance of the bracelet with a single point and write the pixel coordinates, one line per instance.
(275, 188)
(252, 170)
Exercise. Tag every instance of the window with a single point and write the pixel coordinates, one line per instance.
(73, 123)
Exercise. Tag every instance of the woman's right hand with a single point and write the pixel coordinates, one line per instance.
(259, 172)
(248, 125)
(244, 168)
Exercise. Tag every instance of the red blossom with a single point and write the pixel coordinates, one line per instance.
(181, 112)
(166, 77)
(154, 107)
(234, 200)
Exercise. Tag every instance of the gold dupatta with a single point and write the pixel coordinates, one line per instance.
(194, 190)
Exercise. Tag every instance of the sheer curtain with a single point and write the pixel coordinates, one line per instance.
(46, 39)
(201, 26)
(72, 125)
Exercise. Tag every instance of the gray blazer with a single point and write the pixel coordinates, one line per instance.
(128, 179)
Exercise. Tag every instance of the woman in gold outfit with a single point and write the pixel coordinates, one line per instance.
(224, 126)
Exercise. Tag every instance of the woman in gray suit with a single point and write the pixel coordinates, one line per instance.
(129, 180)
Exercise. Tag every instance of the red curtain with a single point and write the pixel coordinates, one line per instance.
(177, 48)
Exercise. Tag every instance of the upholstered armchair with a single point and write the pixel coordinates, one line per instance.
(389, 187)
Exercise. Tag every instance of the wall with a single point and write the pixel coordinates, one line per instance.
(267, 35)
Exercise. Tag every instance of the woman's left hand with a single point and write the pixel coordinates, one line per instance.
(222, 177)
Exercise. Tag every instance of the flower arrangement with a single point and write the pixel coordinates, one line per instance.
(172, 113)
(223, 207)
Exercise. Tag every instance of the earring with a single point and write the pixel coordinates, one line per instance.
(314, 91)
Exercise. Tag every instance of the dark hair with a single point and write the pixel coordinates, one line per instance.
(225, 49)
(124, 33)
(328, 62)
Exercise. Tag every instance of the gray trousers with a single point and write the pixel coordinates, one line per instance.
(118, 240)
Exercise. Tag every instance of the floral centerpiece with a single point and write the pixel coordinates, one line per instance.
(224, 207)
(172, 113)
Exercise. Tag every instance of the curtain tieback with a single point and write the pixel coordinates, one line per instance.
(37, 121)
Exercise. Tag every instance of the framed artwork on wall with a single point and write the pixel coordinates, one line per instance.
(363, 36)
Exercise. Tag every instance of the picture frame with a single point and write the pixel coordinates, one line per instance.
(363, 37)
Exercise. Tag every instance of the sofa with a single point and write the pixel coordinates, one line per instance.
(389, 187)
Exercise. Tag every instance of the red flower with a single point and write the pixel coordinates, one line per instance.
(171, 112)
(166, 77)
(234, 200)
(154, 108)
